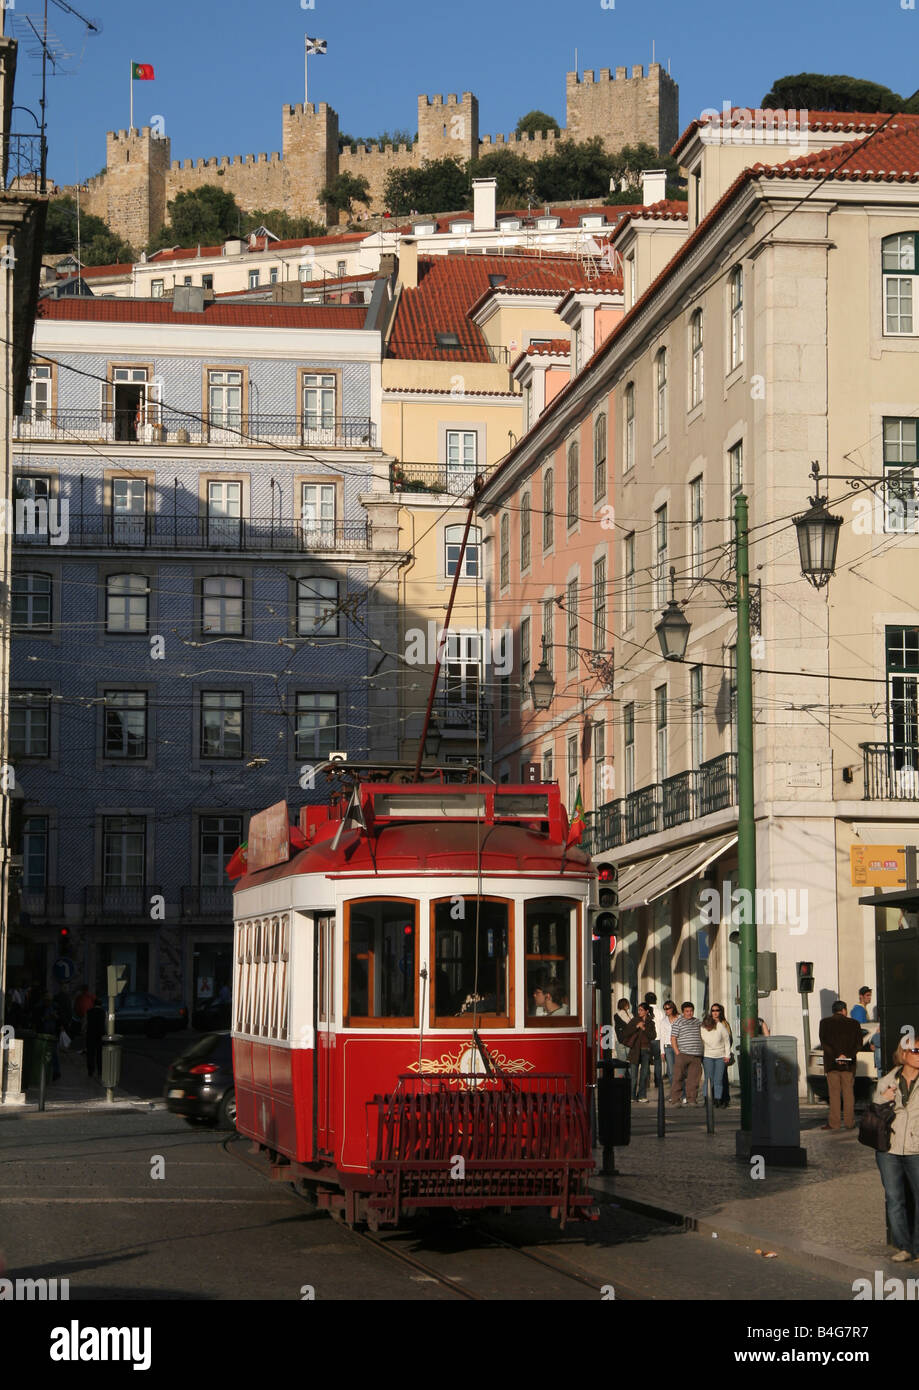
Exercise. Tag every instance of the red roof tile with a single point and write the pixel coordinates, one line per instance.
(842, 121)
(450, 288)
(554, 345)
(214, 315)
(889, 155)
(122, 268)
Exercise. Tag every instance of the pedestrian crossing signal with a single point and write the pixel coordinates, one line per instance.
(805, 969)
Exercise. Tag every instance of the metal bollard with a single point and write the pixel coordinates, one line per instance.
(659, 1083)
(710, 1107)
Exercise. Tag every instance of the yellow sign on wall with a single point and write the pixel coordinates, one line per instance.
(878, 866)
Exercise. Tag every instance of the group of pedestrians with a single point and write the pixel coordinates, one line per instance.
(676, 1042)
(67, 1019)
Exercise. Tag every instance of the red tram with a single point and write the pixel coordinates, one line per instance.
(412, 1000)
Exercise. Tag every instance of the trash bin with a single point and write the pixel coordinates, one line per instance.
(614, 1104)
(111, 1060)
(42, 1049)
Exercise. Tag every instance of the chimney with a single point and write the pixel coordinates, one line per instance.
(653, 186)
(484, 193)
(408, 263)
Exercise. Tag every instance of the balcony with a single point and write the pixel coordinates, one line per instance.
(124, 531)
(664, 805)
(461, 718)
(22, 161)
(107, 426)
(431, 477)
(37, 905)
(891, 771)
(215, 901)
(123, 904)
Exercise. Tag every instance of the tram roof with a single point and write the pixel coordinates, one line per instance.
(451, 828)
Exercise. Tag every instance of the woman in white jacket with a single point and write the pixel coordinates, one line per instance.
(901, 1165)
(716, 1044)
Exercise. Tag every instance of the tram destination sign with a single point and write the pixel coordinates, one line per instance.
(269, 838)
(878, 866)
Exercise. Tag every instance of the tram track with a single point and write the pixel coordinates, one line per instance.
(488, 1239)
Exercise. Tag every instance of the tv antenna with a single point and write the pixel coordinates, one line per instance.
(50, 48)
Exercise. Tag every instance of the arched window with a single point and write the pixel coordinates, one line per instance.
(127, 603)
(525, 531)
(453, 544)
(599, 457)
(695, 359)
(548, 503)
(898, 269)
(660, 378)
(505, 550)
(629, 443)
(737, 330)
(573, 484)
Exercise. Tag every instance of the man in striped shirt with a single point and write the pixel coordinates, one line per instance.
(686, 1040)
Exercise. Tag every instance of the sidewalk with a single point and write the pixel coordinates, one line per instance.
(828, 1216)
(74, 1090)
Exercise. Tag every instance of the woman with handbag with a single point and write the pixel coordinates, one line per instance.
(900, 1165)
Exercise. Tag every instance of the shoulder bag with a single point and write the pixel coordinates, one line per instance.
(876, 1123)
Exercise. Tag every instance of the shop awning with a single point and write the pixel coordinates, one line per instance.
(642, 883)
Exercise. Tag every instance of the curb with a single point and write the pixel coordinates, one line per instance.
(64, 1107)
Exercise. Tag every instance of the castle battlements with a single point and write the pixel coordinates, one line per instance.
(619, 107)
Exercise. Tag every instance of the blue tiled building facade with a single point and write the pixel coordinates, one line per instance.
(199, 605)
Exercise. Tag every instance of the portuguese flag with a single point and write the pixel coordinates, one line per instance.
(577, 825)
(142, 72)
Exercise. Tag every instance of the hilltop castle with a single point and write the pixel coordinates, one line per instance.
(140, 177)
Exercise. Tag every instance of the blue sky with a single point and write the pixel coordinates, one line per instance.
(223, 70)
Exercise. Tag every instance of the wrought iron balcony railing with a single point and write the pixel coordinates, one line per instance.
(891, 771)
(432, 477)
(41, 904)
(165, 426)
(128, 903)
(716, 784)
(663, 805)
(22, 161)
(677, 799)
(461, 718)
(215, 901)
(98, 530)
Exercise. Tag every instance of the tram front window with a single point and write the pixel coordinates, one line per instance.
(547, 937)
(381, 960)
(470, 959)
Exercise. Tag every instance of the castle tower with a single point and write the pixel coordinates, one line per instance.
(624, 110)
(447, 129)
(310, 157)
(137, 163)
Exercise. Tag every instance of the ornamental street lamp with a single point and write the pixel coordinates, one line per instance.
(818, 537)
(673, 634)
(542, 683)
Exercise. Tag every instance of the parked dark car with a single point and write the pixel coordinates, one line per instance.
(213, 1016)
(145, 1013)
(199, 1084)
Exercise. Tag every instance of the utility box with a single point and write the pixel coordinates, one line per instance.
(776, 1121)
(614, 1104)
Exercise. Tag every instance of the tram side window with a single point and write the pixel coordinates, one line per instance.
(470, 958)
(381, 960)
(549, 977)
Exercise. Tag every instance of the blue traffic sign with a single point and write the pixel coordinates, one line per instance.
(64, 969)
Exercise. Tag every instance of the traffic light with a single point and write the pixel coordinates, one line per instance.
(63, 941)
(605, 916)
(805, 969)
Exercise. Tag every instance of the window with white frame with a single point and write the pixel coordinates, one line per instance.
(34, 854)
(572, 609)
(547, 761)
(600, 457)
(628, 748)
(525, 531)
(319, 401)
(129, 511)
(898, 271)
(31, 602)
(600, 635)
(37, 404)
(660, 728)
(696, 359)
(462, 460)
(124, 851)
(224, 512)
(317, 512)
(548, 512)
(660, 556)
(697, 717)
(901, 487)
(628, 569)
(463, 669)
(222, 606)
(273, 275)
(629, 444)
(224, 399)
(548, 624)
(30, 724)
(156, 289)
(524, 660)
(316, 728)
(505, 550)
(221, 724)
(453, 544)
(573, 481)
(253, 279)
(660, 395)
(218, 839)
(341, 268)
(317, 607)
(695, 528)
(735, 290)
(127, 603)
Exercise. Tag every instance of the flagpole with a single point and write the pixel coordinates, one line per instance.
(131, 126)
(306, 61)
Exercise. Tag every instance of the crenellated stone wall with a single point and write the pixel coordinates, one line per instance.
(140, 177)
